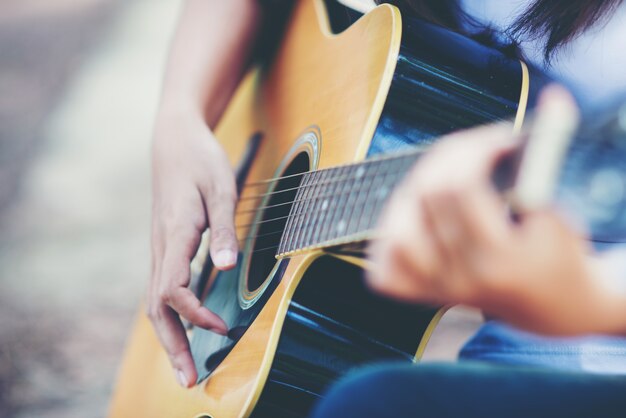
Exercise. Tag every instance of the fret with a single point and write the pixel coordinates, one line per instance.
(339, 222)
(365, 188)
(398, 167)
(320, 197)
(377, 179)
(382, 193)
(304, 213)
(285, 235)
(307, 211)
(354, 179)
(363, 178)
(341, 202)
(315, 214)
(348, 205)
(327, 205)
(294, 214)
(337, 201)
(322, 210)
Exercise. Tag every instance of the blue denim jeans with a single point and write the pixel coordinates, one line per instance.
(498, 343)
(473, 390)
(503, 372)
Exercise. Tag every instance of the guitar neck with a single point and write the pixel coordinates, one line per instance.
(341, 205)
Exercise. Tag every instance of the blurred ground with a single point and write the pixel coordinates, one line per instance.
(79, 82)
(41, 45)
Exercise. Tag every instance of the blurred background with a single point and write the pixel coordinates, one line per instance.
(79, 82)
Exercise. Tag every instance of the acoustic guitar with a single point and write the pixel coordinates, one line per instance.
(311, 132)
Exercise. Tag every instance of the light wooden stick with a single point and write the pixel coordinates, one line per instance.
(550, 135)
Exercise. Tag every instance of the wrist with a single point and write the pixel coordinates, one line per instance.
(179, 110)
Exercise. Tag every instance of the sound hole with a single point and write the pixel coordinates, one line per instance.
(273, 221)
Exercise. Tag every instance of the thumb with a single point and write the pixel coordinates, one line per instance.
(221, 214)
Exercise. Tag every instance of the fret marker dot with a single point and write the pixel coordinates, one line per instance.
(382, 192)
(359, 172)
(341, 226)
(325, 205)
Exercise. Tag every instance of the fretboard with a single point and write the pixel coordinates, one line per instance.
(342, 204)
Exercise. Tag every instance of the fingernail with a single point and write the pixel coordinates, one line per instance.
(221, 331)
(182, 380)
(225, 258)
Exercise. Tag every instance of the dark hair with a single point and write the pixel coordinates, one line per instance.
(555, 22)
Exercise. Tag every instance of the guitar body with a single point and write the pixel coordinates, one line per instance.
(299, 323)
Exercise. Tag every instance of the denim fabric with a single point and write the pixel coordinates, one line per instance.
(499, 343)
(473, 391)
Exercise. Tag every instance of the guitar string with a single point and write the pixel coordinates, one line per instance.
(396, 159)
(399, 155)
(275, 247)
(308, 199)
(297, 214)
(260, 208)
(326, 240)
(299, 187)
(275, 232)
(372, 211)
(276, 179)
(384, 174)
(349, 176)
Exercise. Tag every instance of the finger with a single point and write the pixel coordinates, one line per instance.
(181, 245)
(175, 276)
(496, 137)
(401, 229)
(173, 338)
(166, 323)
(465, 158)
(478, 148)
(221, 212)
(447, 234)
(459, 251)
(183, 301)
(394, 278)
(481, 216)
(546, 225)
(469, 231)
(155, 273)
(556, 93)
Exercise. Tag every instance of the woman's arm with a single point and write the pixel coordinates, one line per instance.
(193, 183)
(448, 240)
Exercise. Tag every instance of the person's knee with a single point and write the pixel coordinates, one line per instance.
(375, 392)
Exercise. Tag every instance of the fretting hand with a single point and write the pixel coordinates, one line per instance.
(447, 239)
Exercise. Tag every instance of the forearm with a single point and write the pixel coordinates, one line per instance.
(587, 299)
(208, 55)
